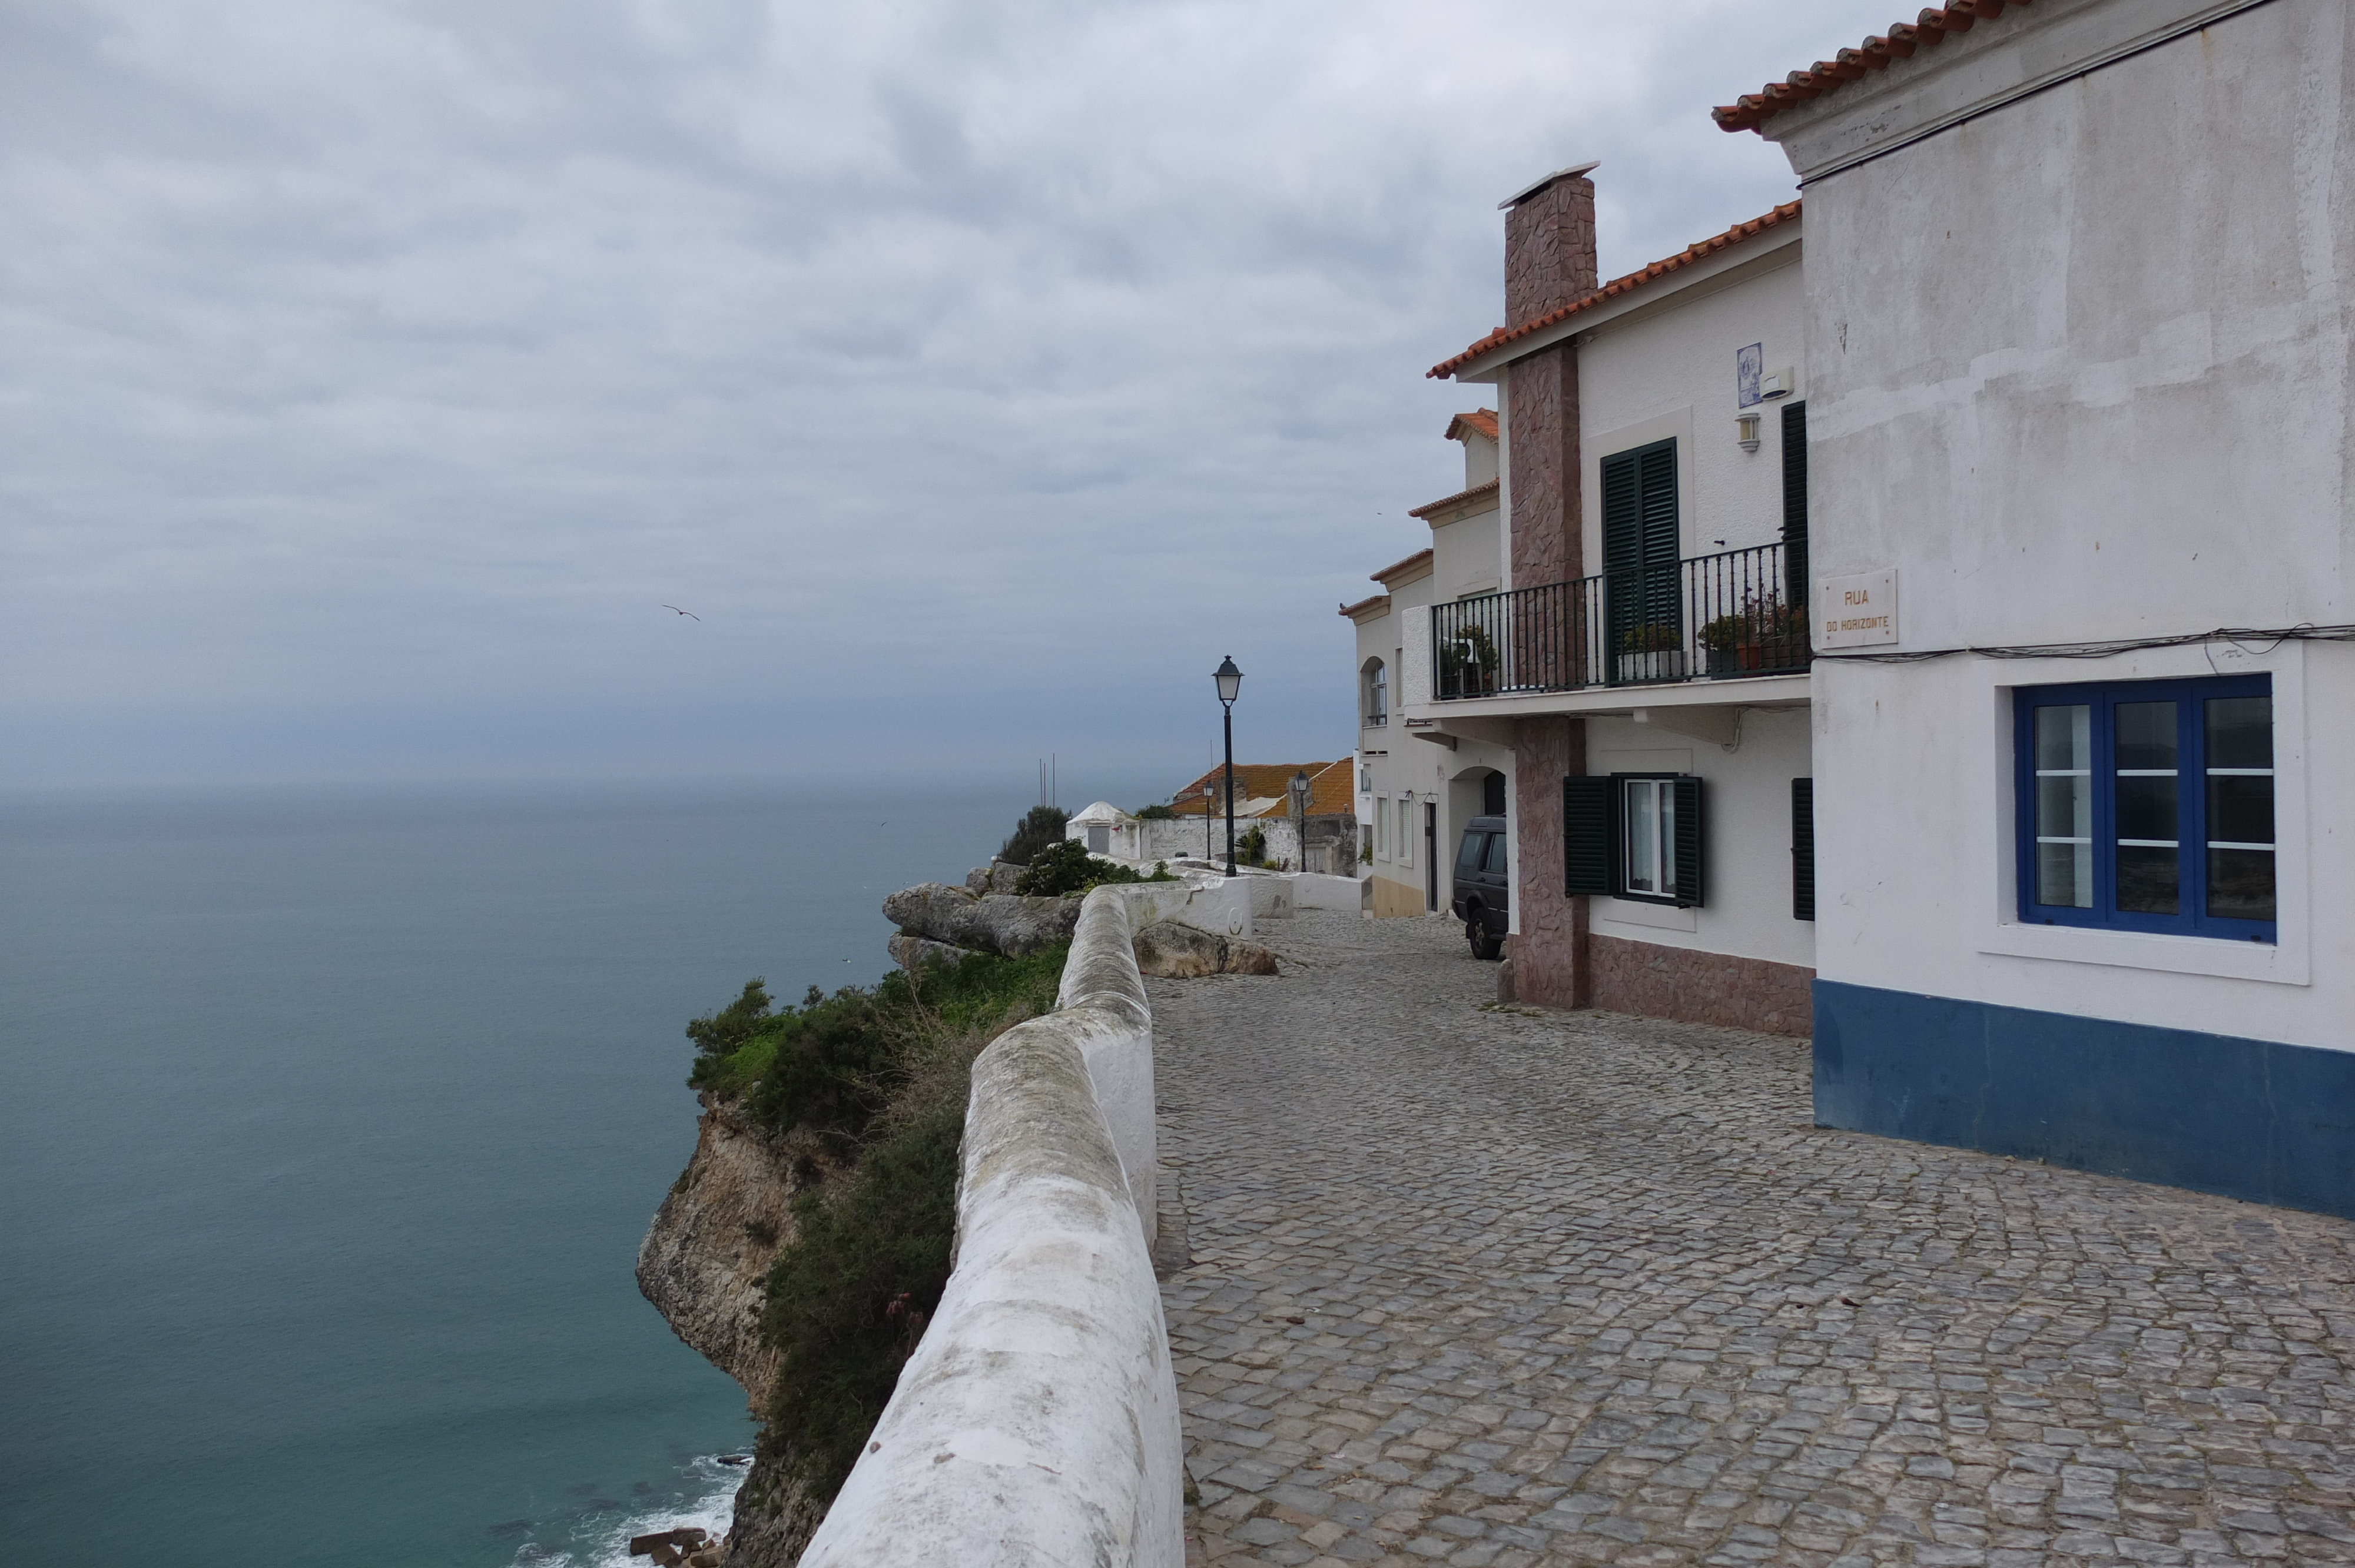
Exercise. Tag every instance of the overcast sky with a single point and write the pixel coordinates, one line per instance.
(371, 373)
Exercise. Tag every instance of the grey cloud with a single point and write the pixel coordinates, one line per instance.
(980, 374)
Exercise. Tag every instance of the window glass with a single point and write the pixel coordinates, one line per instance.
(2064, 805)
(2148, 843)
(2240, 745)
(1648, 809)
(1382, 827)
(1496, 853)
(1406, 830)
(1378, 694)
(2148, 806)
(1468, 858)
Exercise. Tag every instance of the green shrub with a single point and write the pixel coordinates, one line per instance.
(1042, 828)
(1158, 812)
(882, 1073)
(850, 1298)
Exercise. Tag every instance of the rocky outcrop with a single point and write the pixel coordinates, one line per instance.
(1172, 951)
(705, 1267)
(997, 876)
(991, 922)
(915, 952)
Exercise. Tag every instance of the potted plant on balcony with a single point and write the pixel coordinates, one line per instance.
(1651, 653)
(1777, 637)
(1724, 638)
(1467, 663)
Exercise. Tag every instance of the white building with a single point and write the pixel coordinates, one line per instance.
(1414, 799)
(1630, 653)
(2080, 316)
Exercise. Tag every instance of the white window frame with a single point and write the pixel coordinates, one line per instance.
(1659, 791)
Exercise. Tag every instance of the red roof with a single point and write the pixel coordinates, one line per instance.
(1363, 605)
(1332, 789)
(1697, 251)
(1479, 421)
(1932, 27)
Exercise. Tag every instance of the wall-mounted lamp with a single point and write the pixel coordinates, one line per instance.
(1745, 430)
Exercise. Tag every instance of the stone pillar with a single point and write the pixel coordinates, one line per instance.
(1549, 262)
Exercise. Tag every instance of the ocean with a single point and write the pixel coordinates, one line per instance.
(330, 1122)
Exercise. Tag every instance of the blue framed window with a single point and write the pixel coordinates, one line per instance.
(2148, 806)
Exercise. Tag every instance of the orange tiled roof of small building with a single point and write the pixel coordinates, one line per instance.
(1420, 558)
(1363, 605)
(1748, 112)
(1479, 421)
(1332, 789)
(1696, 251)
(1428, 507)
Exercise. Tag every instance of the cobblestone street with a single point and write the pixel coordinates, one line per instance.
(1488, 1288)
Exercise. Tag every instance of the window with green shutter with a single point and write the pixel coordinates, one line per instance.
(1802, 849)
(1590, 835)
(1795, 505)
(1641, 541)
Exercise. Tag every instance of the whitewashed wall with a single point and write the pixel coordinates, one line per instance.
(1666, 368)
(1746, 897)
(2080, 371)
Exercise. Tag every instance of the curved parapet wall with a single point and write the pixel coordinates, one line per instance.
(1037, 1422)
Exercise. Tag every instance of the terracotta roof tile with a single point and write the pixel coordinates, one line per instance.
(1691, 253)
(1363, 605)
(1932, 27)
(1332, 789)
(1490, 488)
(1480, 422)
(1398, 568)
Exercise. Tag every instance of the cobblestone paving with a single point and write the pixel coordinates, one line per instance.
(1484, 1288)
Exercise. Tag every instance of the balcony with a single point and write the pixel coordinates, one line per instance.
(1738, 613)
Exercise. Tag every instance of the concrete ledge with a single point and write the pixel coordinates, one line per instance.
(1037, 1422)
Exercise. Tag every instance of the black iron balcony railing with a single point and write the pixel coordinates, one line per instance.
(1743, 612)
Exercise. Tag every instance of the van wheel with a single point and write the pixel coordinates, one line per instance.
(1483, 946)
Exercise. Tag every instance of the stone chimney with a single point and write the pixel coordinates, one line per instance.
(1548, 244)
(1549, 262)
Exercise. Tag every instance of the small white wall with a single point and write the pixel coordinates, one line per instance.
(1037, 1424)
(1467, 557)
(1746, 849)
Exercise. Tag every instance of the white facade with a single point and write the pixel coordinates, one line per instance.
(2081, 309)
(1418, 787)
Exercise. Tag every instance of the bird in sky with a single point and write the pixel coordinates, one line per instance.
(688, 613)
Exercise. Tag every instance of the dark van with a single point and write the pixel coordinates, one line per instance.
(1481, 899)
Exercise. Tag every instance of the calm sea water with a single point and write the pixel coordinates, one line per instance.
(329, 1127)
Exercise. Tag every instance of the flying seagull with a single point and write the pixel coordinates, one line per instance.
(688, 613)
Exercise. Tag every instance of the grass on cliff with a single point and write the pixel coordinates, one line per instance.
(879, 1075)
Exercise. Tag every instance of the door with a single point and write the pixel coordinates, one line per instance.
(1431, 856)
(1642, 610)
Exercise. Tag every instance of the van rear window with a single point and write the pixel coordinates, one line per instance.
(1496, 853)
(1468, 858)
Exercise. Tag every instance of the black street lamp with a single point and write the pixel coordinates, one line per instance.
(1209, 817)
(1231, 683)
(1300, 817)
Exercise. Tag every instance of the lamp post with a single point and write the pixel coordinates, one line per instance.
(1300, 817)
(1231, 683)
(1209, 817)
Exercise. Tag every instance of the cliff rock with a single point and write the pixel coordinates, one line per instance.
(991, 923)
(913, 952)
(705, 1267)
(1173, 951)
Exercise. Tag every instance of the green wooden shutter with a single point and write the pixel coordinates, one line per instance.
(1590, 835)
(1688, 842)
(1795, 505)
(1642, 538)
(1802, 849)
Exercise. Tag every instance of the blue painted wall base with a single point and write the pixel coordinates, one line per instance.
(2247, 1118)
